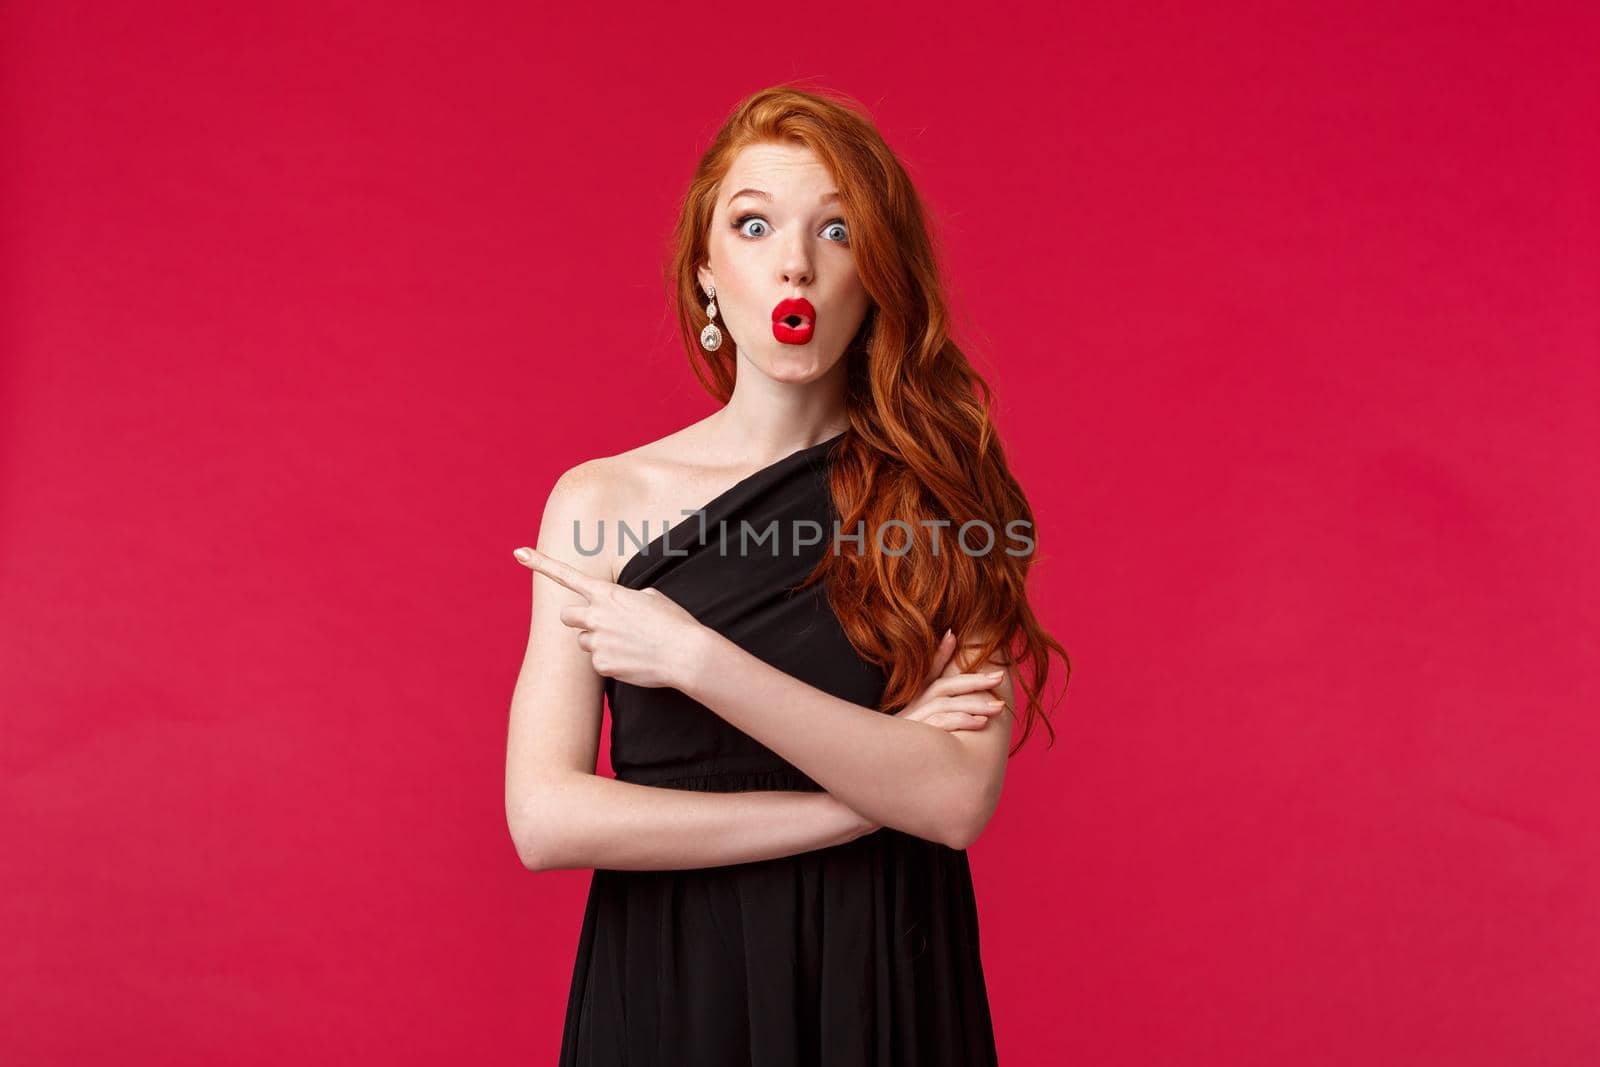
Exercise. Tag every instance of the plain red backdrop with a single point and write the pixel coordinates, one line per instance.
(1292, 314)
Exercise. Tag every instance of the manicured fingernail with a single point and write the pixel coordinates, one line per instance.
(997, 675)
(523, 554)
(997, 703)
(947, 635)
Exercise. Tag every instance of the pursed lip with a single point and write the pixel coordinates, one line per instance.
(795, 306)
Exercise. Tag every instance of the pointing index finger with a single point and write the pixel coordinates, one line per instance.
(559, 572)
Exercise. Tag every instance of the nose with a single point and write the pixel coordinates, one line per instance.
(795, 265)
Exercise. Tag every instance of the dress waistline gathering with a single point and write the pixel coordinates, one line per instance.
(725, 774)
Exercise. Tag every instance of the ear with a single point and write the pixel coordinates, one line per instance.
(707, 283)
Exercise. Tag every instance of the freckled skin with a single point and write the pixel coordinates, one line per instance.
(795, 249)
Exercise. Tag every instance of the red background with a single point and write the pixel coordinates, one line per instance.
(1293, 319)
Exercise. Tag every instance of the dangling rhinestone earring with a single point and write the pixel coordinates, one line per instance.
(711, 337)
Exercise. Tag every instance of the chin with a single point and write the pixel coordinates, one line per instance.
(797, 363)
(792, 374)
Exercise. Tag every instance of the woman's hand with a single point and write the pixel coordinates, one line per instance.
(950, 701)
(638, 636)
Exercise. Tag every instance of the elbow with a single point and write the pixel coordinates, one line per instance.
(960, 830)
(541, 851)
(962, 835)
(549, 821)
(967, 825)
(531, 852)
(534, 831)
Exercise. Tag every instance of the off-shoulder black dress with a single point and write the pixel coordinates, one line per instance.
(859, 954)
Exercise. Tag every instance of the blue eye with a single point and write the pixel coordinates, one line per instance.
(740, 222)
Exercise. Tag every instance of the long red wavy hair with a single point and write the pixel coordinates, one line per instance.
(922, 446)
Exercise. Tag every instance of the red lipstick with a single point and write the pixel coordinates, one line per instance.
(793, 321)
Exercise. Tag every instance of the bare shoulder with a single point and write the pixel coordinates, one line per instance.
(639, 474)
(579, 499)
(605, 489)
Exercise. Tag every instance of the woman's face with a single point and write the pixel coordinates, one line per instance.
(791, 244)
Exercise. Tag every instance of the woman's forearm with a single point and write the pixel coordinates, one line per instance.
(587, 820)
(896, 772)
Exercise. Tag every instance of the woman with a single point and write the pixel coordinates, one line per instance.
(801, 756)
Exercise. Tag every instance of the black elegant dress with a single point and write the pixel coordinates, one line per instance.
(863, 954)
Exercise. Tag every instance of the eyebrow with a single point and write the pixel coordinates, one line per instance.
(768, 196)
